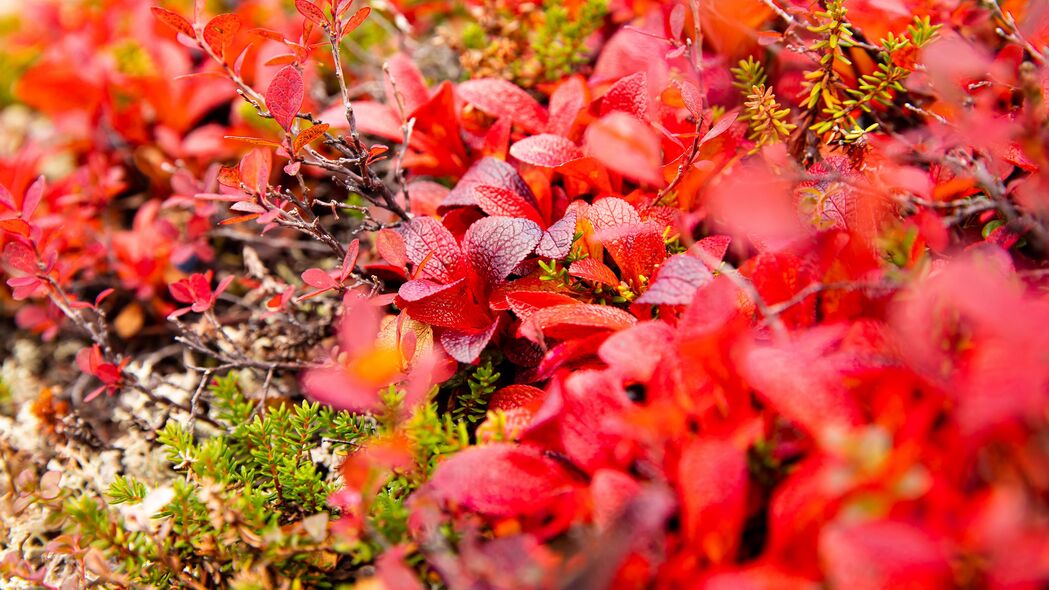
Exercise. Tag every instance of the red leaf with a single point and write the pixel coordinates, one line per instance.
(308, 136)
(628, 95)
(720, 127)
(20, 257)
(677, 281)
(229, 176)
(883, 554)
(356, 20)
(495, 200)
(255, 169)
(465, 347)
(319, 279)
(486, 171)
(311, 11)
(494, 246)
(500, 479)
(220, 31)
(284, 96)
(627, 146)
(253, 141)
(711, 250)
(500, 98)
(572, 321)
(430, 245)
(692, 99)
(557, 239)
(545, 150)
(390, 246)
(525, 303)
(593, 270)
(174, 20)
(803, 380)
(447, 306)
(32, 198)
(712, 478)
(513, 397)
(637, 352)
(593, 407)
(350, 260)
(570, 98)
(405, 84)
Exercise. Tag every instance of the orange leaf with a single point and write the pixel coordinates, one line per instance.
(308, 136)
(173, 20)
(220, 31)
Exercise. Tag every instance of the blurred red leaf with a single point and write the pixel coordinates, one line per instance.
(626, 146)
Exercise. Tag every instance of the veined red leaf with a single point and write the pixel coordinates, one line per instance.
(311, 11)
(425, 239)
(593, 270)
(355, 21)
(677, 281)
(255, 169)
(500, 479)
(174, 20)
(494, 246)
(557, 239)
(611, 212)
(546, 150)
(284, 96)
(627, 146)
(220, 31)
(309, 135)
(486, 171)
(500, 98)
(628, 95)
(496, 200)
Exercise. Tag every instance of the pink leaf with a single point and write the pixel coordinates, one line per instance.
(677, 281)
(500, 98)
(627, 146)
(495, 200)
(566, 103)
(284, 96)
(33, 195)
(545, 150)
(318, 278)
